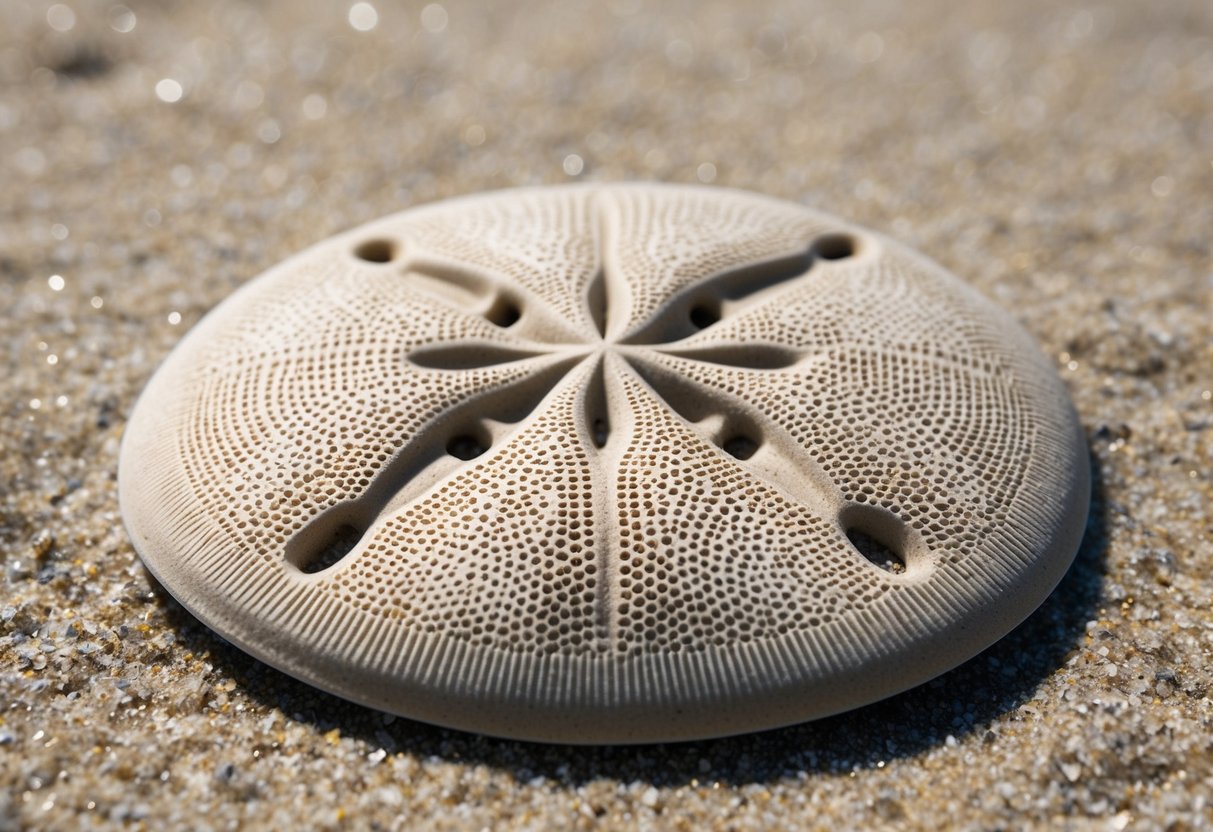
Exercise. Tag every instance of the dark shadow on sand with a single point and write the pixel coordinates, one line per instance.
(965, 700)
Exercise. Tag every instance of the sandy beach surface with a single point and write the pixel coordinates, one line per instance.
(155, 156)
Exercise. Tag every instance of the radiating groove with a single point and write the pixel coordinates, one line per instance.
(616, 294)
(467, 355)
(701, 305)
(753, 356)
(597, 406)
(719, 417)
(462, 288)
(477, 294)
(604, 466)
(511, 403)
(596, 302)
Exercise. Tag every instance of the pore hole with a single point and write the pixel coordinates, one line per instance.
(376, 251)
(340, 543)
(740, 446)
(877, 552)
(503, 313)
(703, 315)
(834, 246)
(465, 447)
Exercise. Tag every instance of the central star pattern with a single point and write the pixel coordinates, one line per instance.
(548, 351)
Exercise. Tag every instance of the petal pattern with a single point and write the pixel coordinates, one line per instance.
(607, 464)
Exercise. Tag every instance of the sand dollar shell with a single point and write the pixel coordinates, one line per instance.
(607, 464)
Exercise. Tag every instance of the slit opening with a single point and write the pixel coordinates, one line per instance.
(740, 446)
(876, 552)
(466, 446)
(325, 541)
(704, 314)
(880, 536)
(835, 246)
(376, 251)
(504, 312)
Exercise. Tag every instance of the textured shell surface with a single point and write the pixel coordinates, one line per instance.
(606, 464)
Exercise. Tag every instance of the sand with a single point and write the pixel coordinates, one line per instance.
(1059, 157)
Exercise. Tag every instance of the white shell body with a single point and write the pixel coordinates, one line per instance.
(607, 464)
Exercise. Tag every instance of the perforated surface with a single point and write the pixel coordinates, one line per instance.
(607, 464)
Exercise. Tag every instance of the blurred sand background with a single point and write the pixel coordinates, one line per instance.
(154, 156)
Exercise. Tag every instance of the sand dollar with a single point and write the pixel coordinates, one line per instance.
(607, 464)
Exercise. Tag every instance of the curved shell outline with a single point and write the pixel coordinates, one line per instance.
(607, 464)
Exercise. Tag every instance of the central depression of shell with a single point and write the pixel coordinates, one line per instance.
(607, 464)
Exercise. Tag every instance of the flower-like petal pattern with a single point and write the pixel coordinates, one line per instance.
(607, 464)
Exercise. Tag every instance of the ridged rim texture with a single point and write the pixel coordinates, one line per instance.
(607, 464)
